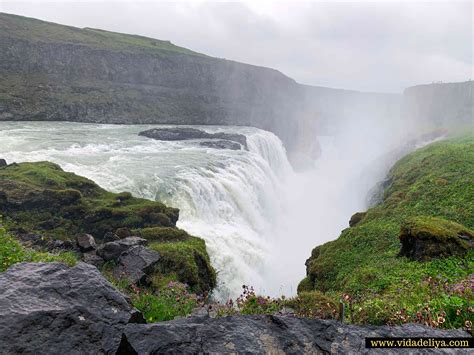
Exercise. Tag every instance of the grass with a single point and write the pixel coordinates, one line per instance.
(43, 199)
(12, 252)
(33, 30)
(431, 189)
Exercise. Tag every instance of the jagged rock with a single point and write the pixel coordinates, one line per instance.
(85, 242)
(356, 218)
(110, 237)
(112, 250)
(50, 308)
(93, 259)
(425, 238)
(135, 264)
(267, 335)
(3, 163)
(185, 133)
(221, 144)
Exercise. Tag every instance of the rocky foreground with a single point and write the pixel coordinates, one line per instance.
(50, 308)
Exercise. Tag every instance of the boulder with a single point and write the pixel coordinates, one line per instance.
(93, 259)
(186, 133)
(50, 308)
(425, 238)
(356, 218)
(110, 237)
(3, 163)
(112, 250)
(221, 144)
(135, 264)
(267, 335)
(85, 242)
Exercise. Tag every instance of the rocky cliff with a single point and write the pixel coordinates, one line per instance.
(55, 72)
(441, 104)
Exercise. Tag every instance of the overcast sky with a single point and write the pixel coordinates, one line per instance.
(383, 46)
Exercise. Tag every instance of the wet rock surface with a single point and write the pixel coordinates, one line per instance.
(223, 140)
(50, 308)
(268, 334)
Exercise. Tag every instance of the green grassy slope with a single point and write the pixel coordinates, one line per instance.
(436, 181)
(24, 28)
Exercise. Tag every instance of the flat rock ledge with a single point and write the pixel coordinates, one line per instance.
(50, 308)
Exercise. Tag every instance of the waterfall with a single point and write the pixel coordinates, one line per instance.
(232, 199)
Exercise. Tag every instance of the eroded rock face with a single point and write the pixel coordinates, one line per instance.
(50, 308)
(266, 334)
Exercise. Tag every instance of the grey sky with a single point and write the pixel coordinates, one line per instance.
(355, 45)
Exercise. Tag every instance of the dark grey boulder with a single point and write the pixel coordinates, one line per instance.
(85, 242)
(135, 264)
(186, 133)
(267, 335)
(50, 308)
(3, 163)
(221, 144)
(112, 250)
(93, 259)
(110, 237)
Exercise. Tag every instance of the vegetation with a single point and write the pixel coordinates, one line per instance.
(430, 195)
(42, 199)
(12, 252)
(24, 28)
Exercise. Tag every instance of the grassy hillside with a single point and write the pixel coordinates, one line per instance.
(430, 193)
(28, 29)
(42, 199)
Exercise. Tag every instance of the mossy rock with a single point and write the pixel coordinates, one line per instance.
(425, 238)
(188, 261)
(30, 193)
(356, 218)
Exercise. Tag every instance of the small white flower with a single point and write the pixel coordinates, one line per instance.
(81, 318)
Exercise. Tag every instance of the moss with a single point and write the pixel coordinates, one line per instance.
(162, 234)
(32, 192)
(430, 194)
(43, 199)
(189, 261)
(424, 238)
(356, 218)
(305, 285)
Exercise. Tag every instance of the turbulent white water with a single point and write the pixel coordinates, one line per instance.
(230, 198)
(260, 219)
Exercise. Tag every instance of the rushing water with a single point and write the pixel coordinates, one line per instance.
(260, 219)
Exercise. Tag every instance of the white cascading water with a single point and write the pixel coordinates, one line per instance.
(259, 218)
(232, 199)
